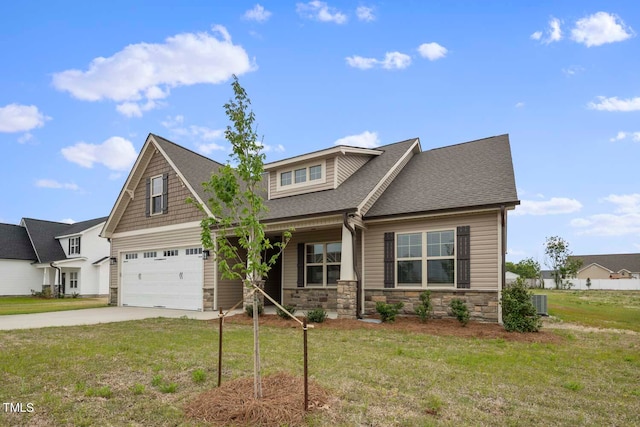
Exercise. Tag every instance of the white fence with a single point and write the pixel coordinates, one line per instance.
(599, 284)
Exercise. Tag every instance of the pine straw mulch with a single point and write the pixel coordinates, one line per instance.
(438, 327)
(233, 404)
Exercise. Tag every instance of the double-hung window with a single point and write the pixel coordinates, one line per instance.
(323, 263)
(305, 175)
(156, 195)
(426, 258)
(74, 245)
(73, 280)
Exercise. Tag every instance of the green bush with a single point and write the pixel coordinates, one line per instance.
(249, 310)
(388, 312)
(460, 310)
(290, 308)
(425, 308)
(518, 312)
(317, 315)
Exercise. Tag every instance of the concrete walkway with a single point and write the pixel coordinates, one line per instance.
(92, 316)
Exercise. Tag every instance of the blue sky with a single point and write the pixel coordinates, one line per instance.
(83, 83)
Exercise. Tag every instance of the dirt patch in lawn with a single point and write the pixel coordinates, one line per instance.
(437, 327)
(282, 403)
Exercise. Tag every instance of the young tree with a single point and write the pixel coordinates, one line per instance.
(235, 234)
(527, 268)
(558, 253)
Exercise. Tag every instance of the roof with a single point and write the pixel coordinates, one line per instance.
(43, 236)
(613, 262)
(472, 174)
(15, 243)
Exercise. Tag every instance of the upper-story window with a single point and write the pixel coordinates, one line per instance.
(315, 172)
(306, 175)
(74, 245)
(285, 178)
(156, 195)
(301, 175)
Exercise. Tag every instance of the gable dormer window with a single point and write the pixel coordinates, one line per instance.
(301, 176)
(315, 172)
(285, 178)
(74, 245)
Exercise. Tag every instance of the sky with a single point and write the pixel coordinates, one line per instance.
(83, 83)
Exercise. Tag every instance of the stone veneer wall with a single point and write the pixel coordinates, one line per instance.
(308, 298)
(483, 305)
(207, 298)
(113, 296)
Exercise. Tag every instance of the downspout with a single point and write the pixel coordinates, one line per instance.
(355, 265)
(59, 278)
(503, 245)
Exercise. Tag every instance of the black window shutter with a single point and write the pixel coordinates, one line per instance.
(69, 251)
(79, 245)
(463, 251)
(165, 193)
(148, 197)
(389, 260)
(301, 265)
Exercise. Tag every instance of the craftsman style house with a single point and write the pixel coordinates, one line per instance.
(379, 224)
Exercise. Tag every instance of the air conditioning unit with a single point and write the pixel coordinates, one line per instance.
(540, 303)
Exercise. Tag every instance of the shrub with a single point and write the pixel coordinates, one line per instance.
(388, 312)
(45, 293)
(290, 308)
(317, 315)
(425, 308)
(460, 310)
(249, 309)
(518, 312)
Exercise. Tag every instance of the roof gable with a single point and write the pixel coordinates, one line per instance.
(612, 262)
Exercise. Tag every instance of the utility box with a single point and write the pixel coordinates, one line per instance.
(540, 303)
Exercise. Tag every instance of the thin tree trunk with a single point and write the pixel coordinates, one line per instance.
(257, 380)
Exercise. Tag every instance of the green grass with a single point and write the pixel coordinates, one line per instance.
(601, 309)
(25, 305)
(141, 373)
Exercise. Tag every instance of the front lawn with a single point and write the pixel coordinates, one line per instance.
(601, 309)
(145, 372)
(25, 305)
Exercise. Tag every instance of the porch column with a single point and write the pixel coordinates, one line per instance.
(347, 285)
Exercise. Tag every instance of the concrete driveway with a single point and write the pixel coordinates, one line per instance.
(92, 316)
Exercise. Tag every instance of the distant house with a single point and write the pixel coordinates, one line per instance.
(610, 266)
(378, 224)
(37, 254)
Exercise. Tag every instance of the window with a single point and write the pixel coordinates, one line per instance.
(74, 245)
(131, 256)
(301, 175)
(73, 280)
(171, 252)
(193, 251)
(151, 254)
(315, 172)
(323, 263)
(156, 195)
(285, 178)
(433, 251)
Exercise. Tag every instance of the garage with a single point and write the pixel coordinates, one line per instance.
(166, 278)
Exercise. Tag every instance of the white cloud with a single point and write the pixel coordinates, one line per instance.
(519, 105)
(115, 153)
(209, 148)
(600, 28)
(272, 148)
(553, 33)
(320, 11)
(553, 206)
(202, 134)
(21, 118)
(392, 60)
(615, 104)
(139, 76)
(624, 220)
(635, 136)
(365, 13)
(50, 183)
(365, 139)
(573, 70)
(536, 36)
(432, 51)
(258, 14)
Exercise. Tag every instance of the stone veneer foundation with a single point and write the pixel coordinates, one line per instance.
(308, 298)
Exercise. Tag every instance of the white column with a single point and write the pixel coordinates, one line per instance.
(45, 276)
(347, 271)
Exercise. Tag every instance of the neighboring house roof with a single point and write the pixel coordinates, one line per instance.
(15, 243)
(547, 274)
(472, 174)
(612, 262)
(42, 235)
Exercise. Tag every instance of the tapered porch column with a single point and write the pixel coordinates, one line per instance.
(347, 285)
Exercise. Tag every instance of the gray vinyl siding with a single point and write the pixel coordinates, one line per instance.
(348, 165)
(484, 246)
(327, 185)
(386, 184)
(290, 259)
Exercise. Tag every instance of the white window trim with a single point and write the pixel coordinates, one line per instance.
(424, 258)
(324, 265)
(74, 245)
(72, 280)
(152, 195)
(308, 182)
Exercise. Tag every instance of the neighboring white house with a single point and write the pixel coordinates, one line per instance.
(71, 258)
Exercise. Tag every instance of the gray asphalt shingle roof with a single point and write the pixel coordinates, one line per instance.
(614, 262)
(475, 173)
(15, 243)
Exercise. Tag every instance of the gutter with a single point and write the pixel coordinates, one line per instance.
(503, 273)
(352, 230)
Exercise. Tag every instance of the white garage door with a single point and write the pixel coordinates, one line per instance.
(170, 278)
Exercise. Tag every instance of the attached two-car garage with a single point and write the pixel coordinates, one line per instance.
(167, 278)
